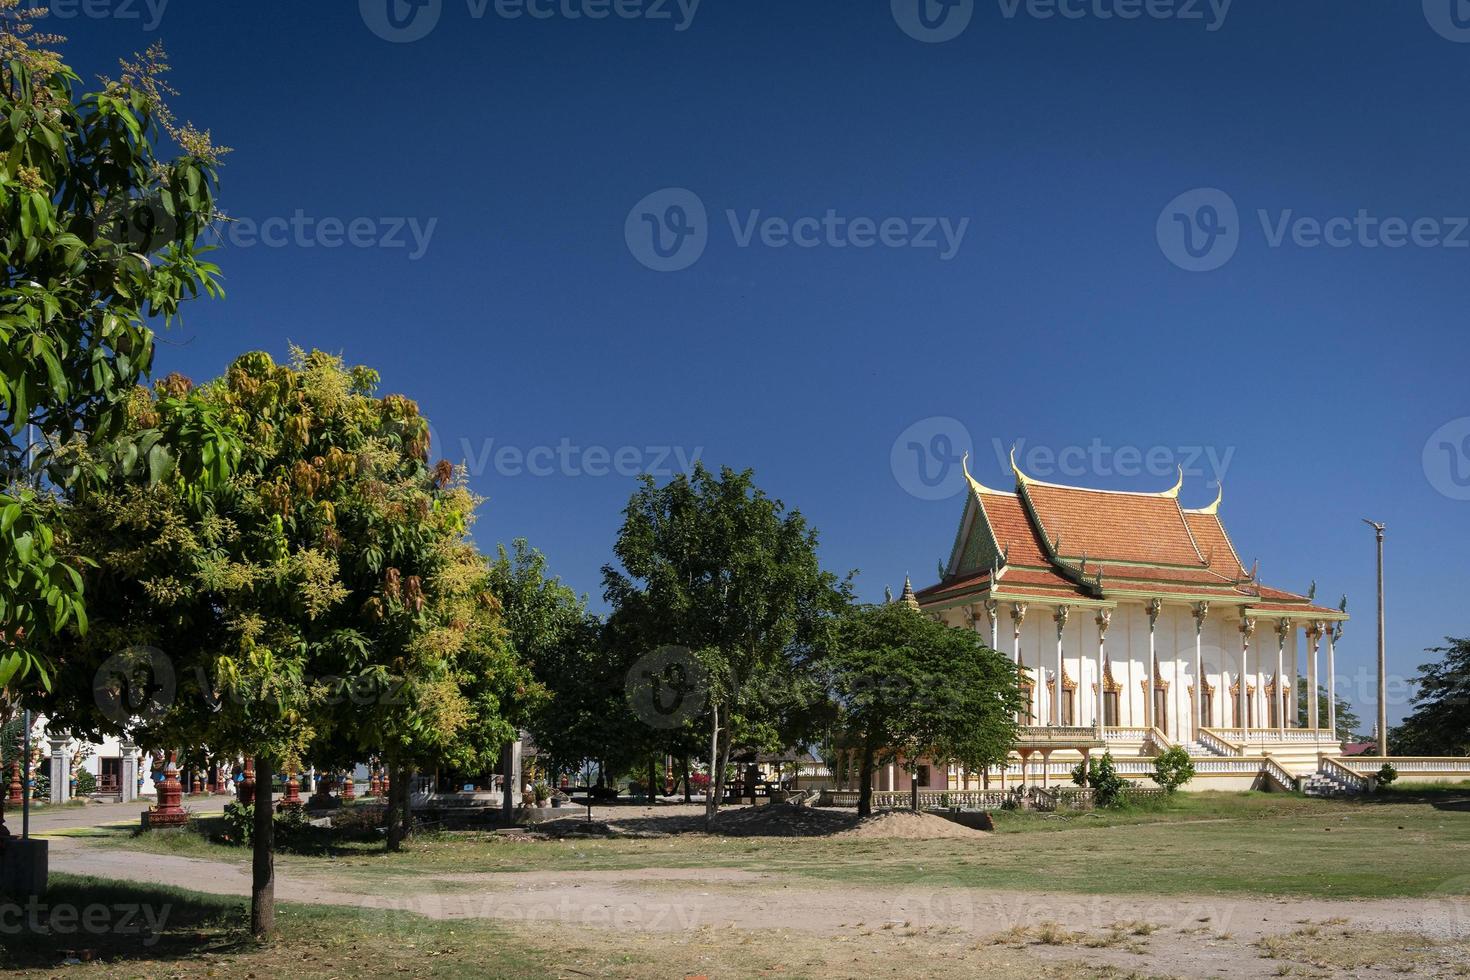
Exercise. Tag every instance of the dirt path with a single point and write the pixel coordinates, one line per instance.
(659, 900)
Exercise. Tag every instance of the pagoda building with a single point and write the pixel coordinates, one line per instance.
(1135, 625)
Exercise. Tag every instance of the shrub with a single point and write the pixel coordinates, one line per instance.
(1387, 774)
(1173, 769)
(542, 791)
(1102, 776)
(86, 783)
(239, 824)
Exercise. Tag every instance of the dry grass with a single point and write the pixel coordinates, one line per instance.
(1326, 946)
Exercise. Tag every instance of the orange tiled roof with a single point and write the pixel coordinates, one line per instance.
(1048, 541)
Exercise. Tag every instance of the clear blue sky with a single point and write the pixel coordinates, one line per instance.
(1063, 318)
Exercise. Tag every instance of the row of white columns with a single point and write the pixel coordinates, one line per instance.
(1284, 626)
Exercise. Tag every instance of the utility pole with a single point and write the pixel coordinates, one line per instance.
(1382, 669)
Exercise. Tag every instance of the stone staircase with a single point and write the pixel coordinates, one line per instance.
(1197, 749)
(1328, 785)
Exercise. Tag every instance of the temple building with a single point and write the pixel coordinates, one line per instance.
(1136, 626)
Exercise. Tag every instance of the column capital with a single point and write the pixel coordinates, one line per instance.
(1060, 617)
(1247, 627)
(1153, 608)
(1315, 629)
(1104, 620)
(1200, 611)
(1018, 615)
(992, 609)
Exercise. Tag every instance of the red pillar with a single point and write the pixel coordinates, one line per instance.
(349, 791)
(247, 784)
(17, 794)
(293, 793)
(168, 812)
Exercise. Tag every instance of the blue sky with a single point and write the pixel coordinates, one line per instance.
(994, 234)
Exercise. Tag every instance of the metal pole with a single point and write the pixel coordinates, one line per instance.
(1382, 664)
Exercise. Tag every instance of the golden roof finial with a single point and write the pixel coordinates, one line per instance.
(1174, 491)
(975, 484)
(1021, 478)
(1213, 509)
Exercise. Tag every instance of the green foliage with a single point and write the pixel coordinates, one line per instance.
(1108, 788)
(907, 687)
(1386, 774)
(711, 563)
(1440, 721)
(239, 824)
(86, 783)
(1173, 768)
(99, 231)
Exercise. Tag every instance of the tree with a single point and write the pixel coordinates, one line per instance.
(1440, 721)
(1347, 720)
(320, 596)
(712, 564)
(907, 688)
(1173, 769)
(100, 232)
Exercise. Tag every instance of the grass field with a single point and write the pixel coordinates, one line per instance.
(1401, 844)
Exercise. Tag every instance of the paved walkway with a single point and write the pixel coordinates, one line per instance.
(46, 819)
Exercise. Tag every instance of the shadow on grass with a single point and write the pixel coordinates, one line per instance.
(1452, 797)
(88, 918)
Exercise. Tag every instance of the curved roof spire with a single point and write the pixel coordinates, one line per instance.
(1174, 490)
(1213, 509)
(1020, 477)
(975, 484)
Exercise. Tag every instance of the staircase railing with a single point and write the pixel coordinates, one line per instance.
(1158, 740)
(1212, 740)
(1274, 772)
(1356, 782)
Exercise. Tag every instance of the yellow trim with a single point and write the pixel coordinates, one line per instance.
(1212, 510)
(1024, 480)
(975, 484)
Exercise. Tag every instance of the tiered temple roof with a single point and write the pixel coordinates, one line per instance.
(1050, 543)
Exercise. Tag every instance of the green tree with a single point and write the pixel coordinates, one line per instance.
(1440, 721)
(1173, 768)
(1347, 720)
(100, 230)
(709, 562)
(907, 688)
(315, 599)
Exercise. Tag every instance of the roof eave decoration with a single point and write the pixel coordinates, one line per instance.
(975, 484)
(1022, 480)
(1213, 510)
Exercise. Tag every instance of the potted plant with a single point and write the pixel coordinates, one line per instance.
(542, 793)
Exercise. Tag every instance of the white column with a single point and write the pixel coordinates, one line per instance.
(1060, 616)
(1281, 690)
(1247, 627)
(992, 612)
(1314, 642)
(1333, 635)
(1201, 610)
(1018, 616)
(1154, 605)
(60, 770)
(1104, 620)
(129, 771)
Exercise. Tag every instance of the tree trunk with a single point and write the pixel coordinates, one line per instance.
(406, 801)
(395, 812)
(865, 784)
(507, 781)
(716, 780)
(914, 791)
(262, 861)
